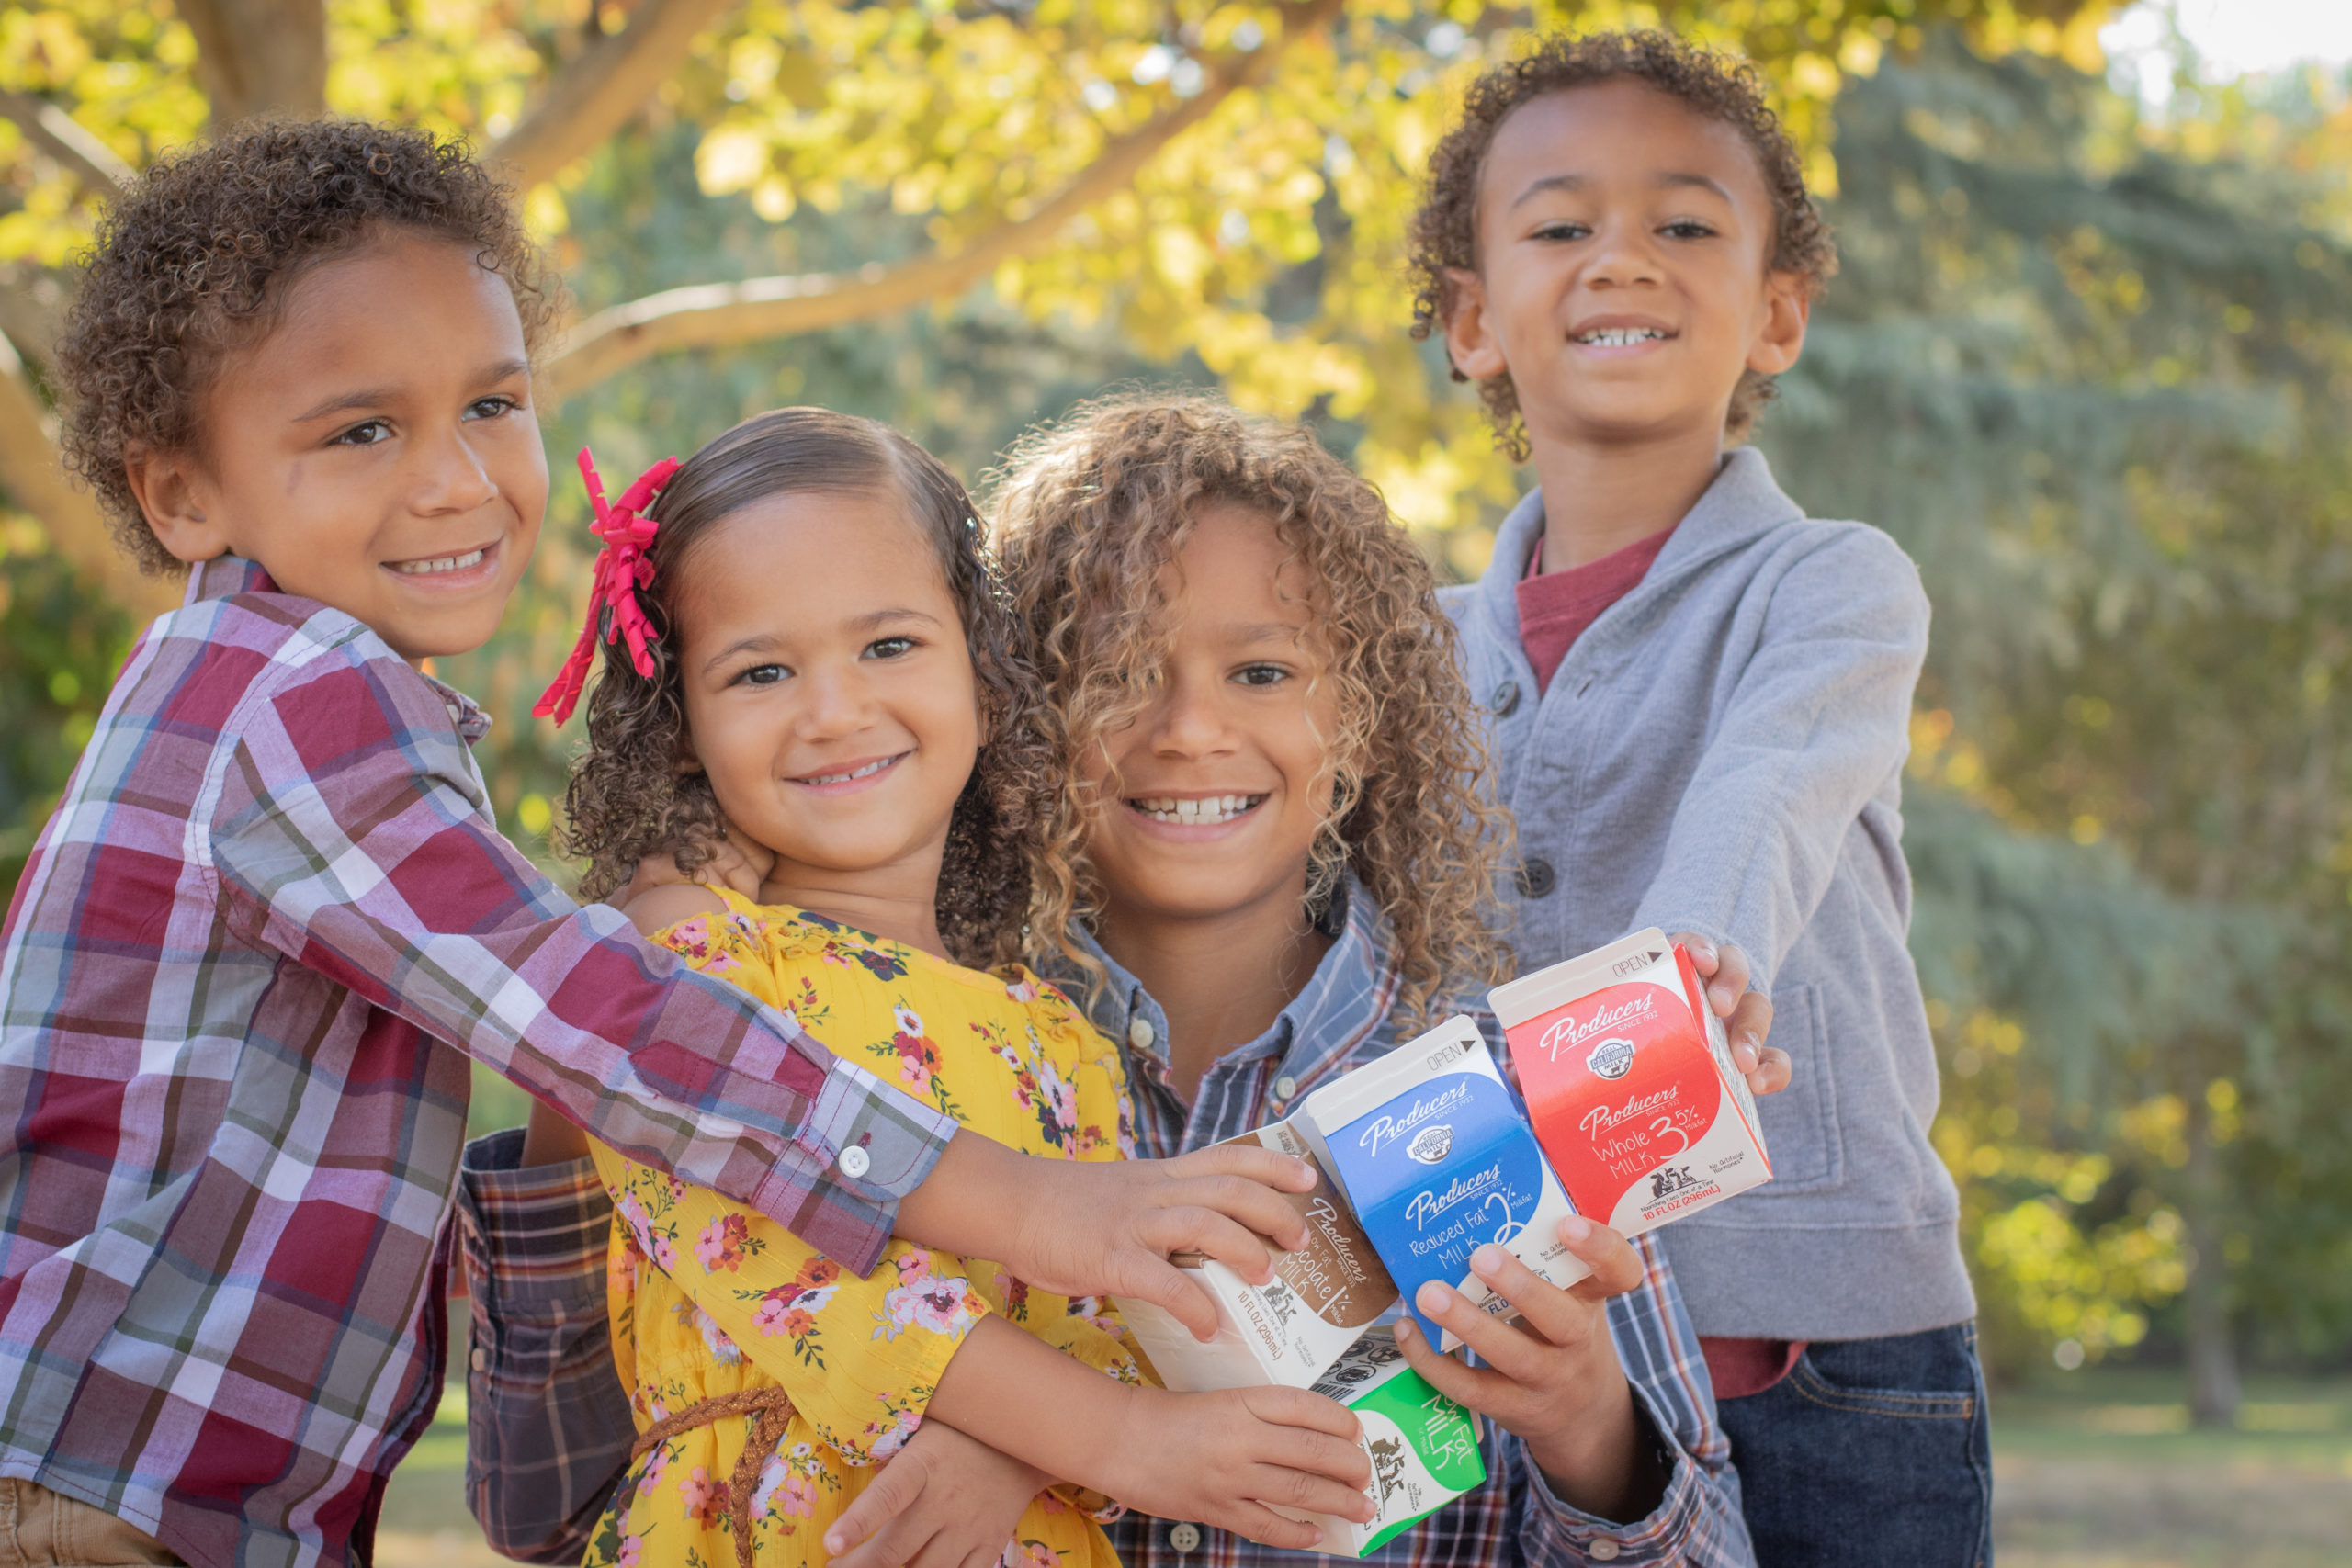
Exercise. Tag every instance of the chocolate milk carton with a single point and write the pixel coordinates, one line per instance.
(1630, 1084)
(1423, 1447)
(1436, 1155)
(1293, 1328)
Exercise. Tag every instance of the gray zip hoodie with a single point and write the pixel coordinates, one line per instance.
(1722, 752)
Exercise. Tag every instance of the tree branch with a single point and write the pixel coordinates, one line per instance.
(57, 133)
(76, 529)
(32, 311)
(707, 315)
(592, 98)
(259, 56)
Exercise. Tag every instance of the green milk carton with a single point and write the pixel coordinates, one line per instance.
(1423, 1447)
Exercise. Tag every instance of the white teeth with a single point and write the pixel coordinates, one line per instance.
(442, 563)
(1620, 337)
(1202, 813)
(866, 771)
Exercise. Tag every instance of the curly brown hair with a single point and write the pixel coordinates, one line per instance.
(1444, 234)
(1088, 512)
(627, 798)
(193, 263)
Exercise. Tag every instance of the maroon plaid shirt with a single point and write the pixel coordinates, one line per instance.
(238, 976)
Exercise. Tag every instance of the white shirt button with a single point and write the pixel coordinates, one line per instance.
(1183, 1538)
(480, 1360)
(855, 1162)
(1604, 1549)
(1140, 1034)
(1286, 1086)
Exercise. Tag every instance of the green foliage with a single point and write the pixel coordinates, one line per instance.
(59, 646)
(2091, 372)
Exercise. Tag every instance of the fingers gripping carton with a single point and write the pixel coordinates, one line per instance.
(1434, 1153)
(1290, 1329)
(1630, 1083)
(1423, 1447)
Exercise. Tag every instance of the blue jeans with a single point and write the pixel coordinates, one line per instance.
(1872, 1454)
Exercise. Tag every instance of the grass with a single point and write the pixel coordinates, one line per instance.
(2104, 1471)
(2097, 1469)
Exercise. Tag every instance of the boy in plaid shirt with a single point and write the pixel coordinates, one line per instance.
(272, 916)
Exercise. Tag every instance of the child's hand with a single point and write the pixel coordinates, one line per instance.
(1091, 1228)
(736, 864)
(1553, 1378)
(944, 1501)
(1746, 1015)
(1218, 1459)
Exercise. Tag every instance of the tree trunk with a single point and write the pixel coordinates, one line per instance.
(2213, 1355)
(259, 56)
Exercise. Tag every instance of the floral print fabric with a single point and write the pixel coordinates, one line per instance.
(707, 1297)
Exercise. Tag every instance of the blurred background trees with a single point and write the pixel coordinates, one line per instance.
(2088, 363)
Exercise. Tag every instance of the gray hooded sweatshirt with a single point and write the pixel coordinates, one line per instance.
(1722, 752)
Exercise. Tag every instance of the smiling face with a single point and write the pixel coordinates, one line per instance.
(1213, 795)
(829, 689)
(1623, 281)
(376, 451)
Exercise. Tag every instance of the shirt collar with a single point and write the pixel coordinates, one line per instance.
(225, 576)
(1350, 993)
(1742, 503)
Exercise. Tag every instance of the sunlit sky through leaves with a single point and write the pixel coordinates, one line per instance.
(2231, 38)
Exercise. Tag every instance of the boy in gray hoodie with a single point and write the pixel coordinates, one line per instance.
(1700, 702)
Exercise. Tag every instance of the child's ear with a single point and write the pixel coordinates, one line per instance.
(175, 495)
(1469, 336)
(1781, 339)
(689, 760)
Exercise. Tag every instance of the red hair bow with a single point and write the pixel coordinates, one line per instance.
(622, 569)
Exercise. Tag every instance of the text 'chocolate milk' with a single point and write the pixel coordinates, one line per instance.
(1630, 1084)
(1291, 1329)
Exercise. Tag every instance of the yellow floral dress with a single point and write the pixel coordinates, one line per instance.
(709, 1298)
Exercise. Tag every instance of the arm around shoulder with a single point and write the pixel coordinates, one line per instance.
(380, 869)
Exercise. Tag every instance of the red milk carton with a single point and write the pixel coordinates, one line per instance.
(1629, 1082)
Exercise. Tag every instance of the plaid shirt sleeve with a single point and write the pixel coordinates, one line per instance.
(349, 829)
(548, 1423)
(1698, 1522)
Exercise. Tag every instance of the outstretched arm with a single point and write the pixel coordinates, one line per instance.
(1816, 723)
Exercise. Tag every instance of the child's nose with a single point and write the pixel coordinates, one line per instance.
(1624, 258)
(453, 476)
(836, 702)
(1190, 723)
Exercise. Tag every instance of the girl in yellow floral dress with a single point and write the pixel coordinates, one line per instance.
(819, 672)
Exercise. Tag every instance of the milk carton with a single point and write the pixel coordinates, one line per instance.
(1423, 1447)
(1630, 1083)
(1290, 1329)
(1437, 1157)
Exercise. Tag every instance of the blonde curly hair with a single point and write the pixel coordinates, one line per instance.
(1086, 515)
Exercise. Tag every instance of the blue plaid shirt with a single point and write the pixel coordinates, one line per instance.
(550, 1427)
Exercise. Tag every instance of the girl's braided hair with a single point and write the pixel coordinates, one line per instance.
(628, 799)
(1088, 512)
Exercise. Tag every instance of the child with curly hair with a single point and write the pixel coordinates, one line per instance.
(1699, 700)
(272, 916)
(824, 677)
(1272, 863)
(1284, 869)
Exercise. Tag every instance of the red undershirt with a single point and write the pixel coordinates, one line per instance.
(1555, 609)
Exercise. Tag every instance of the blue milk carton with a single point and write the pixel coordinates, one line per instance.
(1437, 1158)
